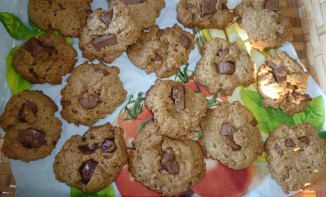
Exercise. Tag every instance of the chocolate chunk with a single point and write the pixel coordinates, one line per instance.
(31, 138)
(109, 146)
(87, 169)
(304, 139)
(279, 150)
(208, 7)
(159, 33)
(224, 52)
(178, 96)
(158, 57)
(228, 130)
(289, 143)
(103, 41)
(107, 16)
(272, 5)
(35, 46)
(129, 2)
(89, 101)
(227, 68)
(86, 150)
(279, 74)
(224, 6)
(28, 112)
(169, 162)
(101, 71)
(185, 41)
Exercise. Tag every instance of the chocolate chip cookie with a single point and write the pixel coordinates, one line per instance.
(282, 82)
(177, 108)
(231, 136)
(108, 33)
(223, 67)
(144, 12)
(166, 165)
(92, 162)
(45, 60)
(92, 92)
(66, 16)
(32, 130)
(204, 13)
(296, 156)
(162, 51)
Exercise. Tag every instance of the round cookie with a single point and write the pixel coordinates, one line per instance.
(223, 67)
(177, 108)
(144, 12)
(66, 16)
(296, 156)
(32, 130)
(204, 13)
(282, 82)
(45, 60)
(92, 92)
(92, 162)
(108, 33)
(166, 165)
(162, 51)
(231, 136)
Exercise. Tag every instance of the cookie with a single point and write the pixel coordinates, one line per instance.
(45, 60)
(162, 51)
(166, 165)
(66, 16)
(296, 156)
(92, 92)
(32, 130)
(204, 13)
(108, 33)
(223, 67)
(177, 108)
(144, 12)
(231, 136)
(282, 82)
(92, 162)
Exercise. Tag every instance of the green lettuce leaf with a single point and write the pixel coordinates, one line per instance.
(16, 83)
(108, 191)
(322, 135)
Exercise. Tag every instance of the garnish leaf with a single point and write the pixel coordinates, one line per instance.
(136, 108)
(143, 124)
(67, 39)
(108, 191)
(322, 135)
(199, 133)
(183, 75)
(212, 101)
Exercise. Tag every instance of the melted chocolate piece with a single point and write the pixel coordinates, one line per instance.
(103, 41)
(31, 138)
(279, 150)
(159, 33)
(279, 74)
(28, 112)
(228, 130)
(178, 95)
(109, 146)
(208, 7)
(129, 2)
(185, 41)
(87, 169)
(86, 150)
(224, 52)
(272, 5)
(304, 139)
(289, 143)
(158, 57)
(107, 17)
(90, 101)
(227, 68)
(169, 162)
(35, 46)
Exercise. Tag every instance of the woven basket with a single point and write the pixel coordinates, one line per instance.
(308, 20)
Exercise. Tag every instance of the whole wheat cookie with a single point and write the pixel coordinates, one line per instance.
(177, 108)
(66, 16)
(223, 67)
(296, 156)
(204, 13)
(282, 82)
(32, 130)
(144, 12)
(162, 51)
(108, 33)
(92, 162)
(45, 60)
(92, 92)
(166, 165)
(231, 136)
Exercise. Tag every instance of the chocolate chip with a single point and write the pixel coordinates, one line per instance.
(289, 143)
(227, 68)
(103, 41)
(129, 2)
(109, 146)
(224, 6)
(31, 138)
(279, 150)
(208, 7)
(87, 169)
(224, 52)
(86, 150)
(304, 139)
(168, 161)
(65, 103)
(272, 5)
(89, 101)
(107, 16)
(35, 46)
(159, 33)
(228, 130)
(28, 112)
(279, 74)
(101, 71)
(178, 96)
(185, 41)
(158, 57)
